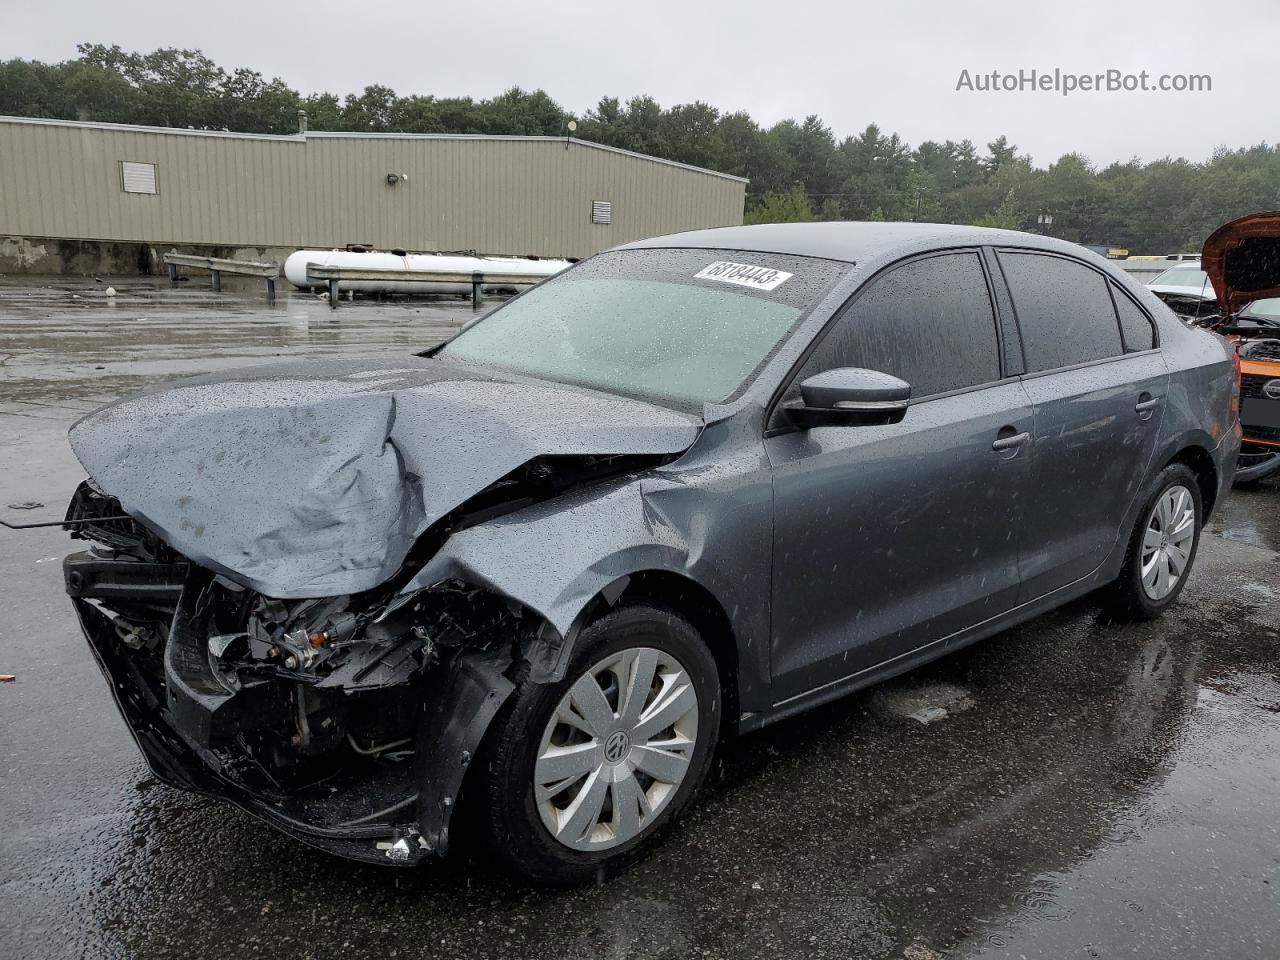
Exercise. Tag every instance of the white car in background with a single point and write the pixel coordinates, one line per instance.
(1187, 290)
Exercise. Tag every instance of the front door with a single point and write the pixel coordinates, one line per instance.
(890, 537)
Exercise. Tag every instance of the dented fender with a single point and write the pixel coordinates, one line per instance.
(684, 519)
(540, 558)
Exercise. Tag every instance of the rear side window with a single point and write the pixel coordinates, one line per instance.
(1064, 311)
(928, 321)
(1134, 324)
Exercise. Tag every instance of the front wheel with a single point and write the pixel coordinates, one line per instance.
(582, 774)
(1162, 547)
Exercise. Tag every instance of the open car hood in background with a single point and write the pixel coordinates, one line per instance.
(1242, 259)
(315, 478)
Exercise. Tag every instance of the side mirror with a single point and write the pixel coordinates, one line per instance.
(850, 396)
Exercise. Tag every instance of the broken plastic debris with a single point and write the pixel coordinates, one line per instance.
(218, 643)
(110, 291)
(25, 505)
(399, 850)
(7, 678)
(926, 703)
(929, 714)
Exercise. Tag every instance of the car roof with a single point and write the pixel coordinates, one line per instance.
(853, 241)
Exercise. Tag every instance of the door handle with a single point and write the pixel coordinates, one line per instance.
(1146, 403)
(1000, 444)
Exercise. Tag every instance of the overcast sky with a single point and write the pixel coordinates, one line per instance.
(852, 63)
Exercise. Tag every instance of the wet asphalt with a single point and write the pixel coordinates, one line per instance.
(1087, 789)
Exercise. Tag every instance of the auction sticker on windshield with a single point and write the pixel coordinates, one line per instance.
(743, 274)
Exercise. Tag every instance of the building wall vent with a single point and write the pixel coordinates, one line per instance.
(138, 177)
(601, 212)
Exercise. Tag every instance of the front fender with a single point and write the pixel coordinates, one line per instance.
(555, 558)
(707, 519)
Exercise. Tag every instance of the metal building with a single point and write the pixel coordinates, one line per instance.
(546, 196)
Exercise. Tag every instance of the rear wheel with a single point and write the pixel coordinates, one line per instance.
(1162, 547)
(582, 774)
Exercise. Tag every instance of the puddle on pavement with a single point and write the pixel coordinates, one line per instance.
(1251, 516)
(67, 342)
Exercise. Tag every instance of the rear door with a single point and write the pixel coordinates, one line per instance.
(890, 537)
(1098, 386)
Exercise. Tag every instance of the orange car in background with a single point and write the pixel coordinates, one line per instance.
(1242, 259)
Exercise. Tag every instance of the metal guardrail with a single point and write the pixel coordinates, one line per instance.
(332, 275)
(217, 267)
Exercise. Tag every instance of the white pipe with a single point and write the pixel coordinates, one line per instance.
(295, 269)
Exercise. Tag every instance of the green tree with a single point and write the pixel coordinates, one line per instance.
(1003, 217)
(812, 148)
(790, 207)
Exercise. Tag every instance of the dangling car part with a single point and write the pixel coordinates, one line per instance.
(1242, 261)
(686, 487)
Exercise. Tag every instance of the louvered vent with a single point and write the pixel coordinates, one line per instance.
(601, 212)
(138, 177)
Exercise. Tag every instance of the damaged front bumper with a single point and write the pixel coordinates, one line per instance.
(1257, 463)
(353, 736)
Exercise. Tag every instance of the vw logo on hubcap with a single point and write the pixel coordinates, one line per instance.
(1271, 389)
(617, 747)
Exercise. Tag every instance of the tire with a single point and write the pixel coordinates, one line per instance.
(1131, 597)
(529, 741)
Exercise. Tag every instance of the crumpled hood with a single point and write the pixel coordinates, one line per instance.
(314, 478)
(1242, 259)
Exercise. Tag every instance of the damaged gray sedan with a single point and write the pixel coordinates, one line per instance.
(684, 489)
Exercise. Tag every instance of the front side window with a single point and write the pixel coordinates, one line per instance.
(928, 322)
(683, 326)
(1064, 311)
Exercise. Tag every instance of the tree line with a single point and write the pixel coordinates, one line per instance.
(799, 169)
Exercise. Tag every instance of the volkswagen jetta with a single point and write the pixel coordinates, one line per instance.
(684, 489)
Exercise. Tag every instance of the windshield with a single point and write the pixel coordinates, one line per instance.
(1189, 277)
(1266, 312)
(685, 326)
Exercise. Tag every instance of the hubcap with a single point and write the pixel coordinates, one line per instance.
(616, 749)
(1167, 541)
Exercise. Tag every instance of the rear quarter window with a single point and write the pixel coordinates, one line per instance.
(1064, 311)
(1135, 325)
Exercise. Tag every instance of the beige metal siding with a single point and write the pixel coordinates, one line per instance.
(495, 195)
